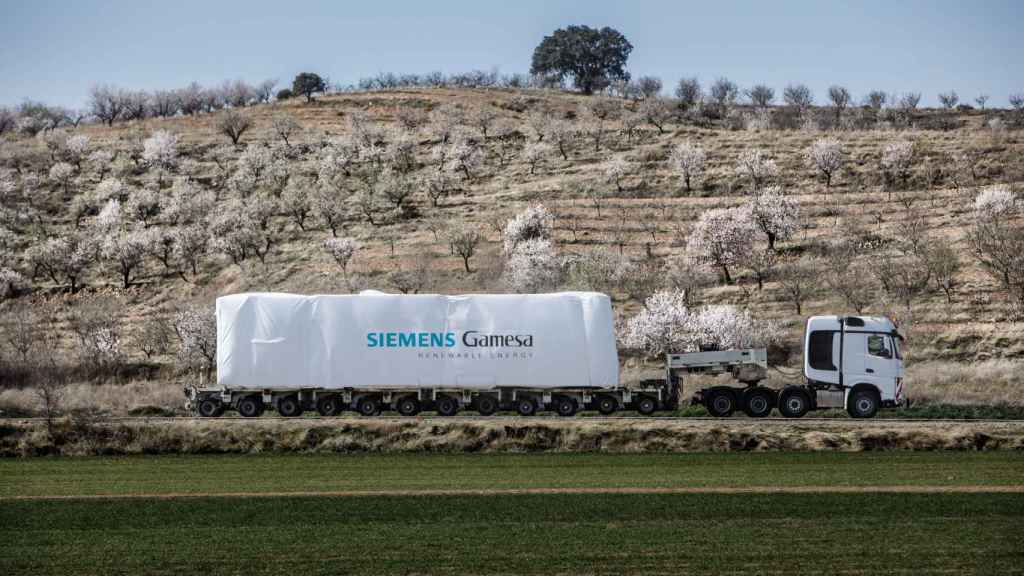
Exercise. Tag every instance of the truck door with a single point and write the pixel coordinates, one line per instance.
(879, 364)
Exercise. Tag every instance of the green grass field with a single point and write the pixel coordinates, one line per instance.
(749, 533)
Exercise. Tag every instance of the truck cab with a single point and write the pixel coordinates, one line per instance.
(855, 358)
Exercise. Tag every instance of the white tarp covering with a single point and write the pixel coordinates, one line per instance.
(372, 340)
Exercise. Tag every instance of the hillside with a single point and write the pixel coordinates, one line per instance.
(971, 340)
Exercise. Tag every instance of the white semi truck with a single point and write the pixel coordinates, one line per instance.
(528, 353)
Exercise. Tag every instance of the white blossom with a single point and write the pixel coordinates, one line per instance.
(776, 214)
(826, 155)
(196, 329)
(342, 250)
(161, 150)
(898, 158)
(688, 159)
(756, 165)
(532, 266)
(615, 170)
(994, 202)
(531, 224)
(536, 153)
(722, 237)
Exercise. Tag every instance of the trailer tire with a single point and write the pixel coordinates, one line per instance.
(289, 406)
(408, 406)
(210, 407)
(250, 406)
(329, 405)
(646, 405)
(607, 405)
(486, 405)
(368, 406)
(526, 406)
(863, 403)
(566, 406)
(794, 402)
(758, 402)
(720, 402)
(447, 406)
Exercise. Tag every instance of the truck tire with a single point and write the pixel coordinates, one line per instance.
(526, 407)
(250, 406)
(486, 405)
(210, 407)
(757, 402)
(646, 405)
(447, 406)
(329, 405)
(863, 404)
(408, 406)
(794, 402)
(566, 406)
(289, 406)
(368, 406)
(720, 403)
(607, 405)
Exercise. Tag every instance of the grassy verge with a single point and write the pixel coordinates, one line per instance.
(302, 473)
(568, 534)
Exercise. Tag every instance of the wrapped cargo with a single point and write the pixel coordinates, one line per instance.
(375, 340)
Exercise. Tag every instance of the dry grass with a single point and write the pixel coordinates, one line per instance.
(342, 436)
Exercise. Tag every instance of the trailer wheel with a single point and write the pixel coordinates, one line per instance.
(368, 406)
(863, 404)
(210, 408)
(646, 405)
(408, 406)
(447, 406)
(526, 406)
(250, 406)
(289, 406)
(757, 402)
(720, 403)
(607, 405)
(486, 405)
(794, 402)
(566, 406)
(328, 405)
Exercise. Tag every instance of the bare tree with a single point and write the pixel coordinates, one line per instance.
(761, 95)
(233, 124)
(106, 103)
(875, 99)
(723, 94)
(464, 240)
(949, 100)
(285, 127)
(840, 98)
(799, 283)
(798, 96)
(688, 93)
(981, 100)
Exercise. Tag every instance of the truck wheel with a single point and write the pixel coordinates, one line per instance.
(794, 402)
(486, 405)
(526, 407)
(566, 406)
(328, 405)
(863, 404)
(250, 406)
(720, 403)
(210, 408)
(757, 402)
(289, 406)
(408, 406)
(646, 405)
(447, 406)
(368, 406)
(607, 405)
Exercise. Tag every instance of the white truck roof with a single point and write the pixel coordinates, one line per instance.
(853, 323)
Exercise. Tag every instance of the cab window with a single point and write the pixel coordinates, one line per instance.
(878, 346)
(820, 350)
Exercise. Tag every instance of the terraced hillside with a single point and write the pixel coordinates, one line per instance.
(411, 175)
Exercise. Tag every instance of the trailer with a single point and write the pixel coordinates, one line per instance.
(527, 353)
(373, 352)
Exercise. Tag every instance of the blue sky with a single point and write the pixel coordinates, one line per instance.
(53, 50)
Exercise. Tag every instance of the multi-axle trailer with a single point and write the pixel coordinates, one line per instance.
(524, 353)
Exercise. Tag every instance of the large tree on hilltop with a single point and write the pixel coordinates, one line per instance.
(594, 58)
(307, 84)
